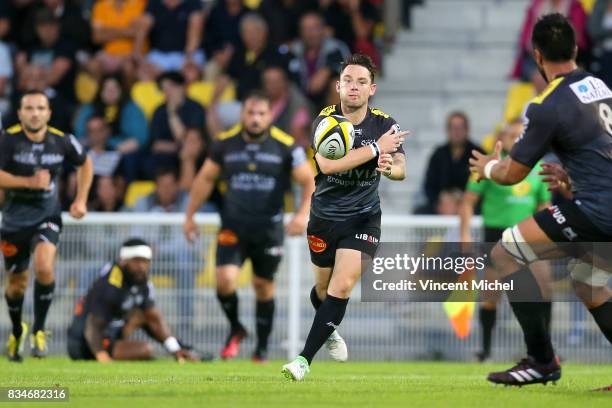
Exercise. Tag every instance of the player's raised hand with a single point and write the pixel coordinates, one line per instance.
(385, 164)
(41, 180)
(190, 229)
(557, 178)
(78, 209)
(479, 161)
(391, 140)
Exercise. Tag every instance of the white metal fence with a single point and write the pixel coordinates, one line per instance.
(184, 275)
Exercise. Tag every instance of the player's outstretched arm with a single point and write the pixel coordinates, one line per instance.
(387, 143)
(84, 177)
(505, 172)
(159, 330)
(200, 192)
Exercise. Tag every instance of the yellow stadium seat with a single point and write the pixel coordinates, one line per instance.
(519, 94)
(587, 5)
(86, 88)
(136, 190)
(147, 96)
(162, 281)
(252, 4)
(202, 92)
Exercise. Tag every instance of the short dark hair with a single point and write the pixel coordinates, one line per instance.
(172, 76)
(554, 37)
(258, 95)
(131, 242)
(360, 59)
(458, 114)
(33, 92)
(166, 171)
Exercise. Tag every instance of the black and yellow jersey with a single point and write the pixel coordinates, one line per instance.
(573, 118)
(353, 192)
(112, 297)
(256, 174)
(21, 156)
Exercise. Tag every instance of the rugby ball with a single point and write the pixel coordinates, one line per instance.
(334, 137)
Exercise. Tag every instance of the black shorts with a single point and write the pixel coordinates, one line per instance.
(17, 246)
(263, 245)
(565, 222)
(493, 234)
(361, 233)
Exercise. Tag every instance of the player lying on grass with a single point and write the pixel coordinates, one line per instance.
(117, 304)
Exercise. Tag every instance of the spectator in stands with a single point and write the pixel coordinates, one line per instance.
(127, 121)
(107, 195)
(448, 166)
(114, 26)
(6, 12)
(284, 16)
(290, 109)
(174, 30)
(222, 34)
(174, 257)
(73, 26)
(176, 124)
(6, 76)
(319, 57)
(54, 54)
(106, 160)
(352, 22)
(448, 202)
(248, 62)
(524, 65)
(600, 29)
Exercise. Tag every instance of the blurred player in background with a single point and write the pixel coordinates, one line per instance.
(345, 215)
(573, 117)
(257, 162)
(32, 156)
(118, 303)
(503, 207)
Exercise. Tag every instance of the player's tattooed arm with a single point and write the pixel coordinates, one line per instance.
(158, 329)
(94, 329)
(505, 172)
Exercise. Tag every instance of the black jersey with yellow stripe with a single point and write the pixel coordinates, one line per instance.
(255, 173)
(353, 192)
(20, 156)
(573, 117)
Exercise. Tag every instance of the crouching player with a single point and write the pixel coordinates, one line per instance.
(117, 304)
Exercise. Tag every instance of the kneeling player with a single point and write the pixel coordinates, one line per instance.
(118, 303)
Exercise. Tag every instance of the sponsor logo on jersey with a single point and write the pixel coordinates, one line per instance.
(590, 90)
(227, 237)
(316, 244)
(8, 249)
(569, 233)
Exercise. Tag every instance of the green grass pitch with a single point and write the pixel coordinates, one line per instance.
(164, 383)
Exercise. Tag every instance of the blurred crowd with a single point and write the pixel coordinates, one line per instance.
(447, 173)
(147, 85)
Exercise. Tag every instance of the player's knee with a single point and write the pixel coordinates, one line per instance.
(264, 288)
(225, 282)
(44, 271)
(17, 285)
(511, 250)
(147, 351)
(591, 296)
